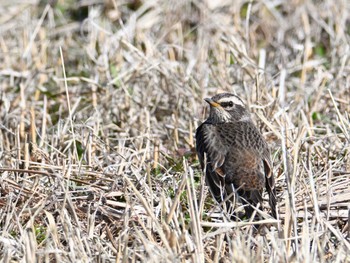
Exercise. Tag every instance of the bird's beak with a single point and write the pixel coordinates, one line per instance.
(212, 103)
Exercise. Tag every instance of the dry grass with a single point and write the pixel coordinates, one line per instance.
(99, 104)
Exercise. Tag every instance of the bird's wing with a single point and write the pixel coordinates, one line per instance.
(255, 142)
(270, 180)
(265, 154)
(211, 155)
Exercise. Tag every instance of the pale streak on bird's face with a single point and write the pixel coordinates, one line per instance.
(245, 118)
(233, 99)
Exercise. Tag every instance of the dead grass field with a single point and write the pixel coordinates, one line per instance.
(99, 104)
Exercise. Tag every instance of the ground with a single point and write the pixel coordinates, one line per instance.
(99, 104)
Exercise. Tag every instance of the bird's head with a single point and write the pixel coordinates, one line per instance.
(226, 107)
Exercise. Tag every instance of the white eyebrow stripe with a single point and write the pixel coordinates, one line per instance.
(235, 100)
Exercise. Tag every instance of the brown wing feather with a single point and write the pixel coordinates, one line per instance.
(210, 159)
(246, 136)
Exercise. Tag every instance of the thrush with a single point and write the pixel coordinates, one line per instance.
(234, 155)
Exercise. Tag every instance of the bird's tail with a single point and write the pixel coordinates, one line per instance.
(272, 200)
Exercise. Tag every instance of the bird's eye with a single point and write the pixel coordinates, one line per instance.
(227, 104)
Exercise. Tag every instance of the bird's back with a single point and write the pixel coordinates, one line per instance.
(236, 158)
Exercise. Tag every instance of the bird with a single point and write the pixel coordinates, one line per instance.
(234, 156)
